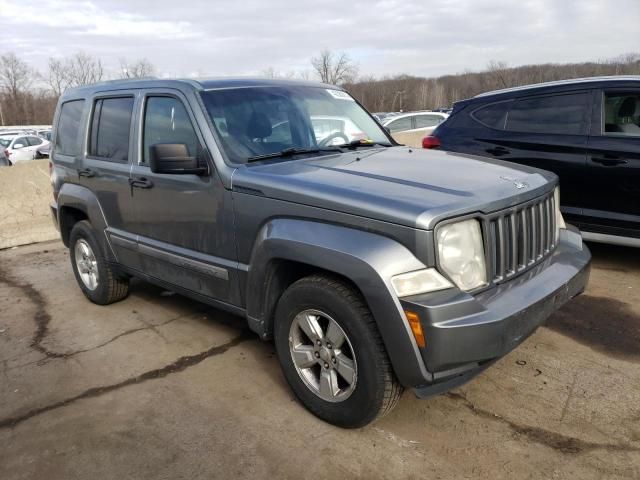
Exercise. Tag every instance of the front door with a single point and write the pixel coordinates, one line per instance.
(184, 221)
(613, 160)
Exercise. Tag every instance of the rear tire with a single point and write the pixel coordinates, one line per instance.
(95, 276)
(325, 301)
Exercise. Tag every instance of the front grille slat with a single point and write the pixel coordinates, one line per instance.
(513, 230)
(520, 237)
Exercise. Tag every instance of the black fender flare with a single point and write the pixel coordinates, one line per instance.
(367, 259)
(81, 198)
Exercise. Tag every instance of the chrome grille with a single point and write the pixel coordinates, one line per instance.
(520, 237)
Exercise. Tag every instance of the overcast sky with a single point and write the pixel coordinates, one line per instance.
(245, 37)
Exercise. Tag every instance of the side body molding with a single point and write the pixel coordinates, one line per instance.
(81, 198)
(369, 260)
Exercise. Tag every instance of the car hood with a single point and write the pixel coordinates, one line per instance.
(401, 185)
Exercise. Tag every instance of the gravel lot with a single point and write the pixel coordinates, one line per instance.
(158, 386)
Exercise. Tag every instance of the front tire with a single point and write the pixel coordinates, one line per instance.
(332, 354)
(94, 275)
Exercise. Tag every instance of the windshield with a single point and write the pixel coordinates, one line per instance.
(259, 121)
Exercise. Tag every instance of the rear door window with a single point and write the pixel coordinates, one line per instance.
(110, 129)
(559, 114)
(425, 121)
(68, 132)
(400, 125)
(33, 141)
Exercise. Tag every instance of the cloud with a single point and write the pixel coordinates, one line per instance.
(385, 37)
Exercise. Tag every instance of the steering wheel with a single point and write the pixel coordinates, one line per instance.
(329, 140)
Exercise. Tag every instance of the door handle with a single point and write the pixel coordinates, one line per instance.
(86, 172)
(140, 182)
(609, 160)
(497, 151)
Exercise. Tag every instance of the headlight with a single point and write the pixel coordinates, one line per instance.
(461, 253)
(420, 281)
(559, 220)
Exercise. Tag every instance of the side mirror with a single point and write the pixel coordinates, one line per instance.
(173, 158)
(17, 146)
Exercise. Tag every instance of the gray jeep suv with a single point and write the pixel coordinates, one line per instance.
(373, 267)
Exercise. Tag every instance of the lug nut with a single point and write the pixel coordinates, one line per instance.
(317, 355)
(328, 345)
(333, 359)
(326, 365)
(318, 342)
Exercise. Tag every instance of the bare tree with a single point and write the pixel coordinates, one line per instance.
(59, 76)
(138, 69)
(273, 73)
(334, 68)
(15, 75)
(84, 69)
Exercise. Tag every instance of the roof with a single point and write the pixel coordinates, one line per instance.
(390, 118)
(198, 84)
(569, 83)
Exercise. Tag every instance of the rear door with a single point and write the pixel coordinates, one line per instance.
(613, 160)
(543, 131)
(184, 221)
(106, 168)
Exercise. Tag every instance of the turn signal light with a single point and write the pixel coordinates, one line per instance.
(416, 328)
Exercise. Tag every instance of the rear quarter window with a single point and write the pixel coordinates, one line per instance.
(69, 126)
(493, 115)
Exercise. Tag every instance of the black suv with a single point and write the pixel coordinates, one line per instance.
(586, 131)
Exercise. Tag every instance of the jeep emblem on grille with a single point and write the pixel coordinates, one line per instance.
(517, 183)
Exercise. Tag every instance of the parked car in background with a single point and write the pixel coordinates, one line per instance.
(20, 148)
(425, 122)
(410, 128)
(372, 266)
(46, 134)
(382, 116)
(328, 130)
(4, 161)
(43, 151)
(587, 131)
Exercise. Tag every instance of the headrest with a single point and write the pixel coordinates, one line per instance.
(628, 107)
(259, 126)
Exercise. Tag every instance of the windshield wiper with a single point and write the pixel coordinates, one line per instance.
(352, 145)
(289, 152)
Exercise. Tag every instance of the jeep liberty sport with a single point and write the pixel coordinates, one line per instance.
(373, 267)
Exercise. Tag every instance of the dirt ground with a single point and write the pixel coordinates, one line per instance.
(160, 387)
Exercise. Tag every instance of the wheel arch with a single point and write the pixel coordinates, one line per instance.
(288, 249)
(77, 203)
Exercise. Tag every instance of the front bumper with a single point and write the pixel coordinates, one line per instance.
(465, 333)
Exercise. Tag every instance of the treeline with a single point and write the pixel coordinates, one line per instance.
(405, 92)
(28, 96)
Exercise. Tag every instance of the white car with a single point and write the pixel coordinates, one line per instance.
(21, 148)
(328, 130)
(423, 122)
